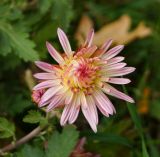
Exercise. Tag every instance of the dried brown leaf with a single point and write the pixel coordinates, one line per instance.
(84, 26)
(117, 30)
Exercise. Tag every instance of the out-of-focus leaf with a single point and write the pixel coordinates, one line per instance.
(8, 12)
(45, 34)
(7, 129)
(28, 150)
(62, 13)
(110, 138)
(44, 5)
(35, 117)
(155, 109)
(61, 145)
(18, 104)
(19, 41)
(4, 45)
(153, 149)
(137, 121)
(144, 149)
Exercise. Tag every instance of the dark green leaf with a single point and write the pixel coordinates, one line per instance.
(35, 117)
(19, 41)
(110, 138)
(62, 13)
(28, 150)
(7, 128)
(155, 109)
(61, 145)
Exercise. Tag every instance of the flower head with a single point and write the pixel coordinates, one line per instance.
(82, 79)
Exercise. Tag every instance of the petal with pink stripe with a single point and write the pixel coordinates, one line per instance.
(92, 108)
(64, 42)
(106, 46)
(55, 102)
(103, 103)
(47, 84)
(113, 52)
(65, 114)
(120, 72)
(45, 76)
(108, 89)
(45, 66)
(118, 80)
(53, 52)
(89, 116)
(50, 93)
(74, 110)
(114, 60)
(89, 38)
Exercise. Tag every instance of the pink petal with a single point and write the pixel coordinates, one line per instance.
(50, 93)
(115, 60)
(74, 114)
(55, 102)
(118, 80)
(92, 108)
(64, 42)
(68, 97)
(54, 53)
(89, 118)
(83, 100)
(89, 39)
(114, 66)
(114, 92)
(74, 110)
(105, 46)
(45, 103)
(120, 72)
(65, 114)
(89, 51)
(103, 103)
(45, 66)
(47, 84)
(113, 52)
(117, 66)
(45, 76)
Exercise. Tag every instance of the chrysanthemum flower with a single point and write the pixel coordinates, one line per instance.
(82, 79)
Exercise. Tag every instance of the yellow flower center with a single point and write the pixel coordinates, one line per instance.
(81, 74)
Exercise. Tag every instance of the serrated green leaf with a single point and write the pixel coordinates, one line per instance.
(28, 150)
(7, 129)
(35, 117)
(61, 145)
(4, 45)
(19, 41)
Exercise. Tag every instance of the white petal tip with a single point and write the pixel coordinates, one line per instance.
(34, 88)
(59, 30)
(95, 130)
(134, 68)
(121, 46)
(62, 123)
(132, 101)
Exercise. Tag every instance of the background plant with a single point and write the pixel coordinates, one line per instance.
(25, 25)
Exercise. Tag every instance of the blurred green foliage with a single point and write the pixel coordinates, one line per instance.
(25, 26)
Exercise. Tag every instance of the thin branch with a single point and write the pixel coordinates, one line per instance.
(21, 141)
